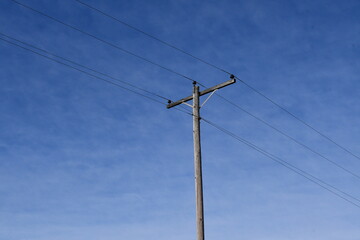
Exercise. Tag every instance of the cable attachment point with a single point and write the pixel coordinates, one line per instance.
(194, 82)
(169, 101)
(232, 76)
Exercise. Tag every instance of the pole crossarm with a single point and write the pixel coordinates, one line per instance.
(209, 90)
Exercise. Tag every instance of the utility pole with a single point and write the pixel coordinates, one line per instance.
(197, 147)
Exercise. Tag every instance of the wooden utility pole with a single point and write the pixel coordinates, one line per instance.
(197, 165)
(197, 147)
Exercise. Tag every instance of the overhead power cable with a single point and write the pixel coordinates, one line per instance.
(188, 78)
(87, 73)
(223, 70)
(91, 69)
(83, 66)
(151, 36)
(111, 44)
(103, 41)
(308, 176)
(328, 187)
(299, 119)
(291, 138)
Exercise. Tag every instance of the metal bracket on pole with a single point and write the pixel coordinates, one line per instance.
(208, 98)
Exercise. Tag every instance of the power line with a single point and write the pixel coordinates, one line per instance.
(126, 51)
(280, 161)
(172, 71)
(289, 166)
(223, 70)
(78, 69)
(83, 66)
(87, 73)
(299, 119)
(103, 41)
(291, 138)
(151, 36)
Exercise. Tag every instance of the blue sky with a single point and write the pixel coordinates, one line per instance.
(82, 159)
